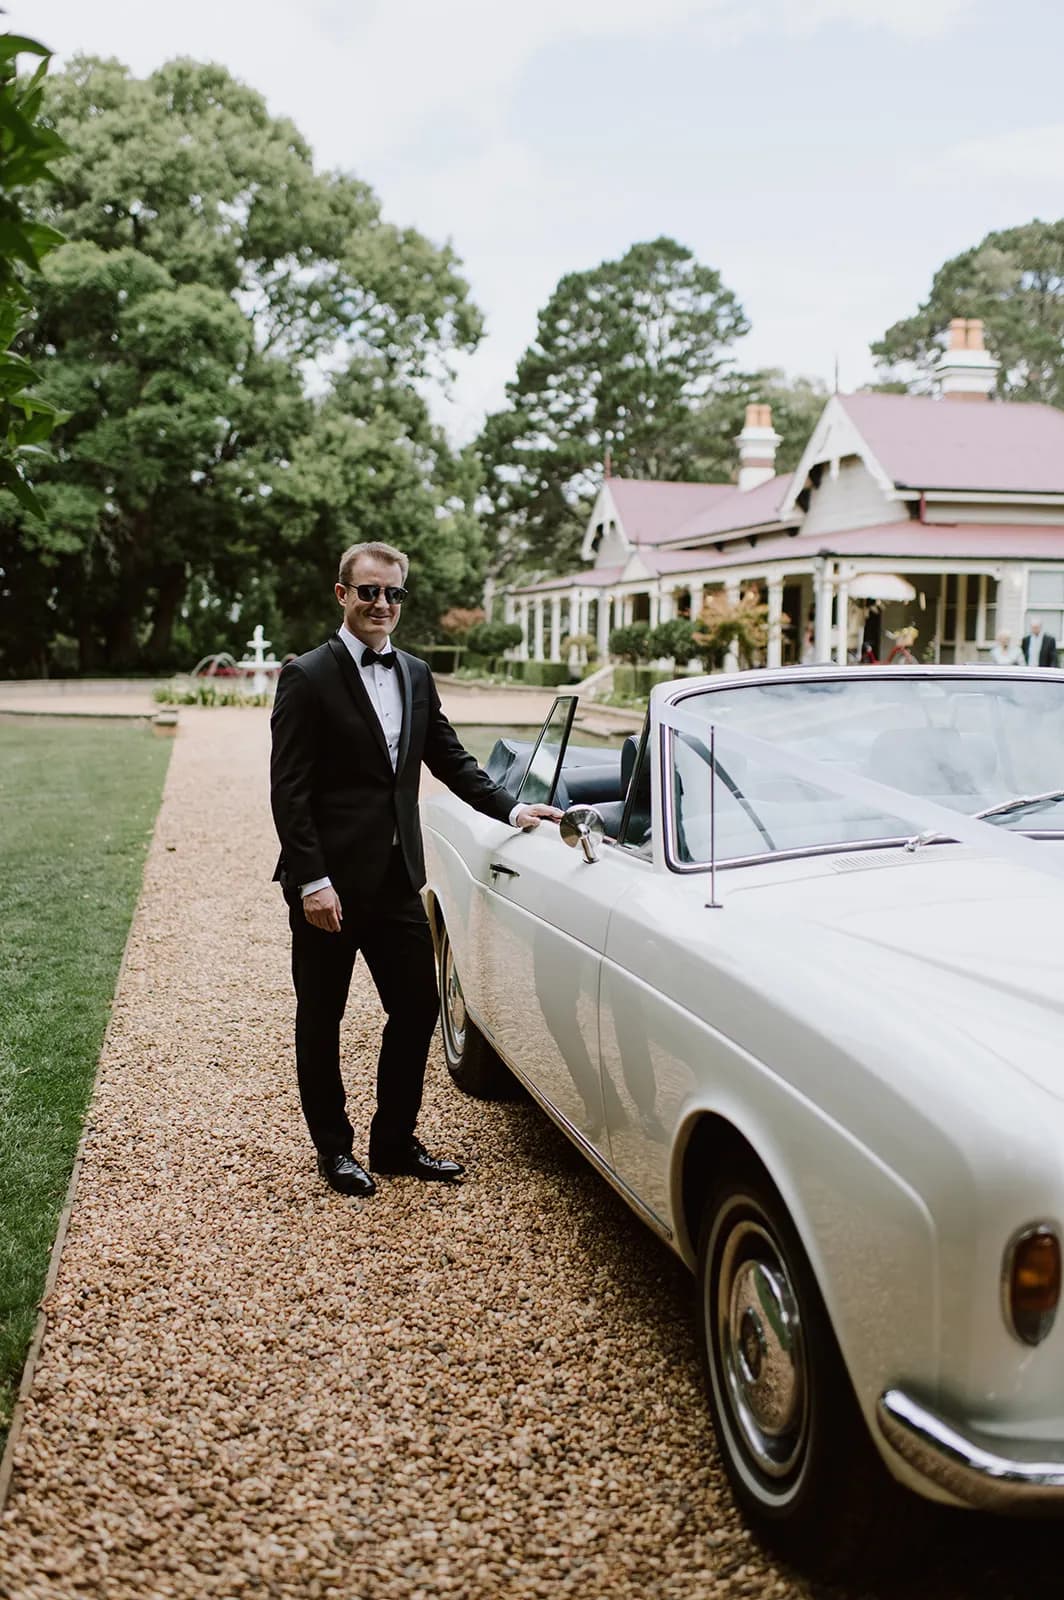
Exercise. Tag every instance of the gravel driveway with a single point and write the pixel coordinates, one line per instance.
(251, 1386)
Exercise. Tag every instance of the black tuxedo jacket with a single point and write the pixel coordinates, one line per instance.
(1047, 655)
(336, 802)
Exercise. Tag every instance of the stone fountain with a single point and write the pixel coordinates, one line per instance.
(264, 668)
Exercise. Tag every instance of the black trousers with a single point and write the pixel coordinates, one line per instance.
(393, 935)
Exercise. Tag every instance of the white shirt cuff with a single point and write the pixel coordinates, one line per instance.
(311, 888)
(520, 806)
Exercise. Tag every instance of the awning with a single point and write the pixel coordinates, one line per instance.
(880, 586)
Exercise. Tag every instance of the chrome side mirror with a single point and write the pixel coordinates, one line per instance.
(582, 825)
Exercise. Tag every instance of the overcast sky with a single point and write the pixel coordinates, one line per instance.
(825, 155)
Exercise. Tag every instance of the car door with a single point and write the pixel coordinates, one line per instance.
(548, 909)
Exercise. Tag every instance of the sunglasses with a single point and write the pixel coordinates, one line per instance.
(369, 591)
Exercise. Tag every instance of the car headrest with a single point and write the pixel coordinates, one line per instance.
(629, 752)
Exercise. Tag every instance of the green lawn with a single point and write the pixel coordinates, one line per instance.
(77, 807)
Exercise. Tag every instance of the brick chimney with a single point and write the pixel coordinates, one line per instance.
(757, 443)
(967, 370)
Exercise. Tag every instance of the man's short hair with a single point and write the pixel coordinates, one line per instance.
(379, 552)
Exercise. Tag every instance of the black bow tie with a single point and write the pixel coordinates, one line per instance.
(377, 658)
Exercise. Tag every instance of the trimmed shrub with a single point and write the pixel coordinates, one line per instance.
(440, 657)
(673, 639)
(630, 643)
(548, 674)
(635, 683)
(493, 638)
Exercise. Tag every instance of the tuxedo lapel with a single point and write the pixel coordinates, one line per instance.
(357, 689)
(404, 733)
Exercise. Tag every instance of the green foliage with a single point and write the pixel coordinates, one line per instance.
(585, 643)
(624, 355)
(79, 803)
(541, 674)
(28, 147)
(494, 638)
(631, 643)
(673, 639)
(207, 694)
(632, 684)
(199, 488)
(1014, 281)
(714, 424)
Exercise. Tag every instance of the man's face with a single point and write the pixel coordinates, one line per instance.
(370, 620)
(1036, 628)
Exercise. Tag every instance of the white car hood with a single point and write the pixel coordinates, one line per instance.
(971, 942)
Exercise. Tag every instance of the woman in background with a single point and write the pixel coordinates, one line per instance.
(1004, 653)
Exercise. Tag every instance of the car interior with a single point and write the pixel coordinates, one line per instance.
(589, 776)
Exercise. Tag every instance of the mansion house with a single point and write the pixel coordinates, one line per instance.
(943, 513)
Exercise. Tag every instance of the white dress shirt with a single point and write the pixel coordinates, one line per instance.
(386, 697)
(1034, 649)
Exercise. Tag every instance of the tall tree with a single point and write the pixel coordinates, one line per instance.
(372, 465)
(27, 150)
(210, 269)
(1014, 281)
(715, 423)
(624, 354)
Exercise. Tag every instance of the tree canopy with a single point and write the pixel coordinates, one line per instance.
(622, 355)
(27, 150)
(238, 339)
(634, 359)
(1014, 281)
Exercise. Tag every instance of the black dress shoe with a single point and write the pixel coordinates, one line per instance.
(342, 1172)
(413, 1160)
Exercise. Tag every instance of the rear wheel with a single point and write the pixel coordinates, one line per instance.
(471, 1061)
(794, 1443)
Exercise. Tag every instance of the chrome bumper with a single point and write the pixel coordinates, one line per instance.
(979, 1469)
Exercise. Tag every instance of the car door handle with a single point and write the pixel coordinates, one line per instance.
(497, 868)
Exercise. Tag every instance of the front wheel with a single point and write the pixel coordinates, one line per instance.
(471, 1061)
(794, 1443)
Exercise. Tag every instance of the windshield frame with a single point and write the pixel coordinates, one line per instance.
(675, 695)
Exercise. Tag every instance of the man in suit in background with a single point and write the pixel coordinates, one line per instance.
(352, 722)
(1039, 649)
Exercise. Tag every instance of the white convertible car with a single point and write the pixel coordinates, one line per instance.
(790, 974)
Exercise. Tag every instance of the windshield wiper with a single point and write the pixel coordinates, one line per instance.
(1004, 808)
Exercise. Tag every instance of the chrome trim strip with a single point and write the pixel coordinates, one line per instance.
(976, 1468)
(573, 1133)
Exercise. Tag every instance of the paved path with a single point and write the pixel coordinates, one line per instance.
(251, 1387)
(465, 704)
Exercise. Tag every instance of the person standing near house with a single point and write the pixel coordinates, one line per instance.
(1003, 653)
(1039, 649)
(352, 723)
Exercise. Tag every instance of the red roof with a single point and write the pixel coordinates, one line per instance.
(588, 578)
(896, 542)
(740, 508)
(999, 446)
(652, 510)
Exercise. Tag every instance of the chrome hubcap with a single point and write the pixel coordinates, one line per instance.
(762, 1355)
(453, 1004)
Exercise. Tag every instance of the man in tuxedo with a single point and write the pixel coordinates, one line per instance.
(352, 722)
(1039, 649)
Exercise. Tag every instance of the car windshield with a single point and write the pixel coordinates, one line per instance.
(966, 742)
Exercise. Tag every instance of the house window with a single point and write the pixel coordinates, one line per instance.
(1045, 601)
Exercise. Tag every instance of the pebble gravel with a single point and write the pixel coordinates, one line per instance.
(251, 1386)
